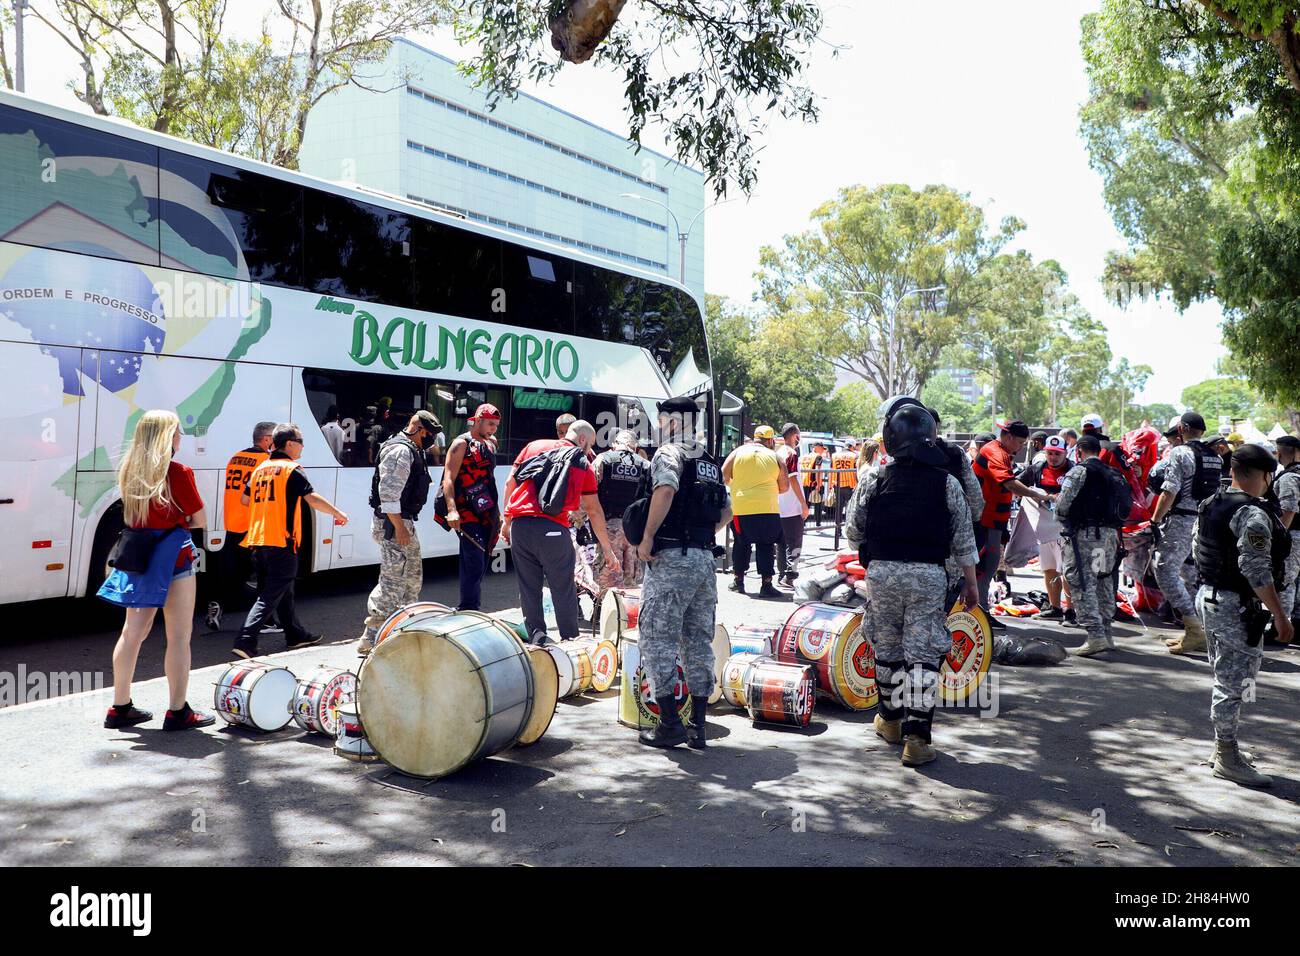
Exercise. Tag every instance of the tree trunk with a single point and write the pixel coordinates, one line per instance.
(171, 71)
(4, 64)
(1293, 416)
(582, 26)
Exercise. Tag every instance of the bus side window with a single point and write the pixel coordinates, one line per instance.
(371, 408)
(356, 250)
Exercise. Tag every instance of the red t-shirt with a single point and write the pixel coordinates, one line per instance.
(524, 503)
(185, 500)
(994, 468)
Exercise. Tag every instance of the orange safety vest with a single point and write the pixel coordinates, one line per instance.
(238, 470)
(807, 471)
(268, 493)
(847, 466)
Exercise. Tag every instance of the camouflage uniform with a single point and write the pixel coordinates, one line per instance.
(1233, 661)
(678, 601)
(1091, 593)
(906, 617)
(401, 570)
(1176, 578)
(1287, 486)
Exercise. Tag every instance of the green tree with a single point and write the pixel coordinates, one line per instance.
(707, 71)
(955, 413)
(844, 291)
(1220, 396)
(6, 23)
(1194, 124)
(1076, 358)
(855, 410)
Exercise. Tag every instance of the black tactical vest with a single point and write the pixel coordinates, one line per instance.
(620, 479)
(416, 492)
(697, 507)
(1205, 480)
(1216, 545)
(907, 516)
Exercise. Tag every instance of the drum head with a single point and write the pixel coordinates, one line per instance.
(546, 683)
(610, 627)
(270, 698)
(423, 702)
(853, 671)
(565, 673)
(963, 668)
(407, 613)
(721, 651)
(604, 665)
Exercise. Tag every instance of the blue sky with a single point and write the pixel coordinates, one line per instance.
(981, 97)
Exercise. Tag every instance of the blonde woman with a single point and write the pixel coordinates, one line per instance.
(867, 454)
(154, 567)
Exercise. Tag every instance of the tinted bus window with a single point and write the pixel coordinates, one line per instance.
(456, 272)
(539, 290)
(67, 187)
(226, 222)
(356, 250)
(533, 413)
(371, 408)
(454, 402)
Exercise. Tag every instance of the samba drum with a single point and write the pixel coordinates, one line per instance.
(735, 677)
(620, 612)
(604, 662)
(441, 692)
(778, 693)
(831, 639)
(754, 639)
(546, 694)
(573, 664)
(404, 614)
(350, 737)
(963, 668)
(256, 695)
(636, 704)
(721, 651)
(317, 698)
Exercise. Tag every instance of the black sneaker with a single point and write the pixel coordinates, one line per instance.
(245, 647)
(996, 624)
(1070, 620)
(128, 715)
(186, 719)
(213, 617)
(768, 591)
(1052, 614)
(307, 641)
(737, 585)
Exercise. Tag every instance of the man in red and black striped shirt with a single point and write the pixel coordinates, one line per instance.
(995, 468)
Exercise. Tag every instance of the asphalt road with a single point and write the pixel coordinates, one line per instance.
(1092, 762)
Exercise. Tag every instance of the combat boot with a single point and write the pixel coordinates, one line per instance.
(1191, 641)
(890, 731)
(669, 732)
(1229, 764)
(1093, 645)
(917, 751)
(1245, 755)
(695, 729)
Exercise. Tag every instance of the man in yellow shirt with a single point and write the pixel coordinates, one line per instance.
(755, 476)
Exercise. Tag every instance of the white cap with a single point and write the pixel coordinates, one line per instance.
(1094, 420)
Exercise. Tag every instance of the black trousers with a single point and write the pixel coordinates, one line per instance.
(761, 533)
(276, 570)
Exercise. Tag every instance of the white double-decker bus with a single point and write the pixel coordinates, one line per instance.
(140, 271)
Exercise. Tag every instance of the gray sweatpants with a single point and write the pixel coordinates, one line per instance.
(543, 554)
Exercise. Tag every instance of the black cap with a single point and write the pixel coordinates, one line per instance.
(1288, 441)
(681, 405)
(1089, 442)
(1040, 436)
(1194, 421)
(1017, 428)
(428, 421)
(788, 427)
(1255, 457)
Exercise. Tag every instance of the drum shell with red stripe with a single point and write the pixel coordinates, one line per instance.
(830, 638)
(318, 696)
(778, 693)
(256, 695)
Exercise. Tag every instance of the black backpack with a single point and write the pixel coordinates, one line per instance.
(549, 472)
(1106, 498)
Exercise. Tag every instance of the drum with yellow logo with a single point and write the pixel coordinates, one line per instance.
(573, 664)
(963, 668)
(778, 693)
(636, 704)
(604, 662)
(735, 677)
(831, 639)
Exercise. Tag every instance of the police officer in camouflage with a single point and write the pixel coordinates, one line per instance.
(619, 472)
(1287, 488)
(1191, 476)
(399, 489)
(1084, 508)
(909, 519)
(1241, 550)
(689, 505)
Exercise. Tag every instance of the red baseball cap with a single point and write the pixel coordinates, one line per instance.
(486, 411)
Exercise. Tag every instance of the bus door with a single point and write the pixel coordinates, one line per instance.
(40, 416)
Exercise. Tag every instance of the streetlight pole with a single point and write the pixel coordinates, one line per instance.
(682, 234)
(19, 83)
